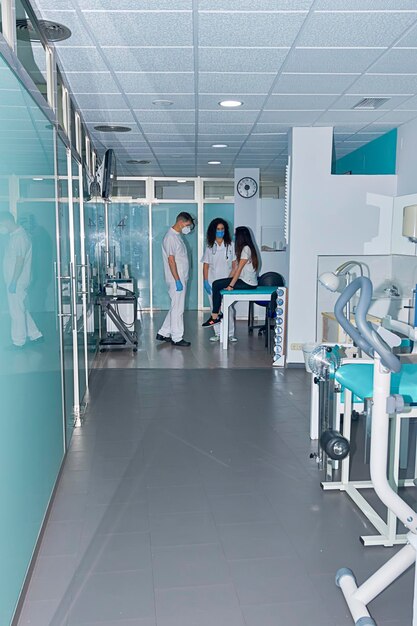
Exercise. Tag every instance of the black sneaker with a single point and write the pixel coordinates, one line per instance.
(211, 322)
(162, 338)
(182, 343)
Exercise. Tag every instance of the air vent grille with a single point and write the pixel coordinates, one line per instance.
(370, 104)
(53, 31)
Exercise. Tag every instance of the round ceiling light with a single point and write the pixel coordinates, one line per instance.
(53, 31)
(108, 128)
(219, 145)
(214, 162)
(230, 104)
(136, 162)
(162, 103)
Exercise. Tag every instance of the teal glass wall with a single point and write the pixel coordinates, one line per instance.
(129, 236)
(31, 443)
(376, 157)
(164, 216)
(94, 235)
(211, 210)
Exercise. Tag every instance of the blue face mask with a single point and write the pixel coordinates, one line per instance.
(220, 234)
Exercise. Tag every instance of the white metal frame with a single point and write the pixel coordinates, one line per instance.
(387, 528)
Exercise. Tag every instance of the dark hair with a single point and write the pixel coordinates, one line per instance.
(186, 217)
(211, 232)
(243, 238)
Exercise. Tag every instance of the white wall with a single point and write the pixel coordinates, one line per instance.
(406, 158)
(332, 215)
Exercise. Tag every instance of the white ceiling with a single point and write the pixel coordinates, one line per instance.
(292, 62)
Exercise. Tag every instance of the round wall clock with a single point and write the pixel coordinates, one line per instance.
(247, 187)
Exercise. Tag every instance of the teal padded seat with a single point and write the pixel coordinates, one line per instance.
(358, 378)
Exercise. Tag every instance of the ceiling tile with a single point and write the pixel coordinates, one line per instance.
(113, 28)
(145, 5)
(125, 59)
(365, 5)
(271, 128)
(249, 102)
(156, 83)
(336, 61)
(242, 83)
(409, 103)
(379, 127)
(112, 116)
(249, 5)
(92, 82)
(226, 129)
(289, 117)
(86, 59)
(238, 60)
(409, 40)
(397, 61)
(161, 136)
(241, 29)
(290, 102)
(170, 116)
(223, 116)
(354, 29)
(144, 101)
(398, 117)
(179, 129)
(341, 117)
(313, 83)
(373, 85)
(101, 101)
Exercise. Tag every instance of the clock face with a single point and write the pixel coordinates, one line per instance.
(247, 187)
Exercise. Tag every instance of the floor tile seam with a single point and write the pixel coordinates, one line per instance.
(186, 545)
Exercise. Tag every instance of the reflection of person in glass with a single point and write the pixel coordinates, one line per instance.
(17, 264)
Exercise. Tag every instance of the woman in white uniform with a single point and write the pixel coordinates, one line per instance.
(219, 261)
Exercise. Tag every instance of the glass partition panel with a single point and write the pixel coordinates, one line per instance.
(65, 271)
(31, 445)
(173, 190)
(29, 48)
(219, 189)
(93, 236)
(59, 96)
(212, 210)
(129, 244)
(163, 217)
(80, 278)
(135, 189)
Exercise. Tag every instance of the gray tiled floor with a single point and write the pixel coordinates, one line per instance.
(188, 499)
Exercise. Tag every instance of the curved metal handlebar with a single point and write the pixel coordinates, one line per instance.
(364, 335)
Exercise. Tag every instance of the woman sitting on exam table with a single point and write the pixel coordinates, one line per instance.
(219, 261)
(243, 277)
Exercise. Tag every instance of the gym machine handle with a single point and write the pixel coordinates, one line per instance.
(364, 336)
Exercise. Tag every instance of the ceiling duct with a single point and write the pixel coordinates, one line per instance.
(370, 104)
(53, 31)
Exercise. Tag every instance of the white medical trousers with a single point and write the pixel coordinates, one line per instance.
(232, 314)
(173, 325)
(23, 327)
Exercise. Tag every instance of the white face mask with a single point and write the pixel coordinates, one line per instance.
(185, 230)
(3, 230)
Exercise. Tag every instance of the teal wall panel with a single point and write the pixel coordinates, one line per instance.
(376, 157)
(31, 425)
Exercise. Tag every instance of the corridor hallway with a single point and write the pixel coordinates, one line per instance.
(188, 499)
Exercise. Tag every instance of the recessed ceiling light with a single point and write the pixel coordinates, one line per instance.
(214, 162)
(162, 103)
(37, 178)
(141, 162)
(181, 180)
(108, 128)
(219, 145)
(230, 104)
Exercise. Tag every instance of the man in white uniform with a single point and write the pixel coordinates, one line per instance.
(17, 264)
(176, 269)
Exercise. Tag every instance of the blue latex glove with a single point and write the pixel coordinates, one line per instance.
(207, 287)
(178, 285)
(12, 287)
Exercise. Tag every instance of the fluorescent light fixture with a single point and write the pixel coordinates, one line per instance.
(37, 178)
(181, 180)
(214, 162)
(219, 145)
(230, 104)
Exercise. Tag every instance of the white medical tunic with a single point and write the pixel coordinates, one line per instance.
(173, 245)
(219, 258)
(18, 245)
